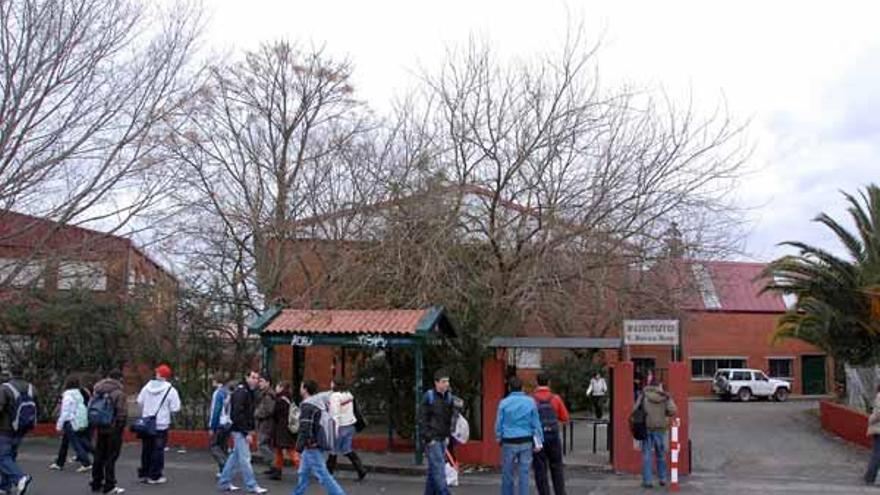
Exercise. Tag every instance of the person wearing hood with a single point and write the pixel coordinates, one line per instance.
(160, 399)
(11, 436)
(109, 438)
(72, 420)
(552, 412)
(242, 415)
(659, 407)
(307, 443)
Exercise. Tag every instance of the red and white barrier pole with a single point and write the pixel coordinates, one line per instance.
(675, 449)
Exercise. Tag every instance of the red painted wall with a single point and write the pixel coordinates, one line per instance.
(627, 456)
(849, 424)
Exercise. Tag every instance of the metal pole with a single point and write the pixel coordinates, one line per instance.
(418, 396)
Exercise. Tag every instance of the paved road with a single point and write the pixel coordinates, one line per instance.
(739, 448)
(773, 447)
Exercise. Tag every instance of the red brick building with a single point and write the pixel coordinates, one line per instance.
(38, 254)
(728, 322)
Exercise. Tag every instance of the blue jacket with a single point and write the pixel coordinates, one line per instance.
(217, 401)
(518, 418)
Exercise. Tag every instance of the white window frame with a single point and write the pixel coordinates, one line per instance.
(782, 358)
(744, 359)
(32, 273)
(89, 275)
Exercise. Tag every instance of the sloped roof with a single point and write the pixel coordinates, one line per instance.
(737, 287)
(346, 322)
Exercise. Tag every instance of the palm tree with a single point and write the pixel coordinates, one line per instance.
(835, 294)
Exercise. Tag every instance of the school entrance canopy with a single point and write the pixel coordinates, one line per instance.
(368, 329)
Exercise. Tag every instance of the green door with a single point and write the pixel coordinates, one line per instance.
(813, 372)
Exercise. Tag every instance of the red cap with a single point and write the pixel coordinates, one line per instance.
(164, 371)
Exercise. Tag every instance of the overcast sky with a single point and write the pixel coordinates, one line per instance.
(806, 76)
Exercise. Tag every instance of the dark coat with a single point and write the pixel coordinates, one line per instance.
(243, 403)
(264, 413)
(7, 404)
(282, 438)
(116, 392)
(435, 418)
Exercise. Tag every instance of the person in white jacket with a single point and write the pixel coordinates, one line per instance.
(596, 392)
(342, 409)
(72, 420)
(160, 399)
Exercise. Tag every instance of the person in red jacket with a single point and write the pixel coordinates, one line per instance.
(552, 412)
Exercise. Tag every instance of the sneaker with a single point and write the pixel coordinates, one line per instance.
(258, 489)
(159, 481)
(83, 469)
(117, 490)
(230, 488)
(23, 484)
(55, 467)
(662, 482)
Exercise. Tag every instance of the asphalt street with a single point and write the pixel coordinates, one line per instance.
(760, 447)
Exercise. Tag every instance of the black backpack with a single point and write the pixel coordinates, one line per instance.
(638, 421)
(549, 420)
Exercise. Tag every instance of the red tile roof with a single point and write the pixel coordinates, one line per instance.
(738, 287)
(403, 321)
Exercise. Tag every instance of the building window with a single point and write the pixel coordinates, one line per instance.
(89, 275)
(781, 367)
(30, 274)
(705, 368)
(524, 359)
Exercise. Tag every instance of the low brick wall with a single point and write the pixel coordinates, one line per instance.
(844, 422)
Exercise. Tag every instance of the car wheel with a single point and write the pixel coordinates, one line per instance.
(781, 394)
(744, 394)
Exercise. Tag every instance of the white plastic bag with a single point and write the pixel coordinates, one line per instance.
(451, 470)
(461, 429)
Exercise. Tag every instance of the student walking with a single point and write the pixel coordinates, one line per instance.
(518, 429)
(596, 392)
(157, 399)
(342, 409)
(312, 440)
(18, 415)
(220, 422)
(283, 439)
(263, 413)
(874, 433)
(108, 409)
(72, 421)
(242, 415)
(435, 422)
(552, 412)
(659, 407)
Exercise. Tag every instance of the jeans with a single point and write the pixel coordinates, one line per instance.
(153, 455)
(550, 458)
(655, 443)
(874, 463)
(10, 473)
(239, 458)
(107, 450)
(344, 439)
(513, 453)
(436, 482)
(219, 443)
(70, 437)
(312, 463)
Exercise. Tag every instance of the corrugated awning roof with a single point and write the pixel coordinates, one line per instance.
(347, 322)
(556, 342)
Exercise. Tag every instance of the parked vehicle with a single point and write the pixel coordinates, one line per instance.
(746, 384)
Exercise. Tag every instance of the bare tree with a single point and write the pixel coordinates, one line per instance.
(88, 91)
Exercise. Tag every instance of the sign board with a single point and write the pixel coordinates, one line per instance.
(650, 332)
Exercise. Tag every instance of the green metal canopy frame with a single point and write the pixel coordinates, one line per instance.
(429, 330)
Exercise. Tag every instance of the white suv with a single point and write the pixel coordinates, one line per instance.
(745, 384)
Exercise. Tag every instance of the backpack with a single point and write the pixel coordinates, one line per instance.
(102, 410)
(325, 432)
(431, 396)
(549, 419)
(24, 409)
(292, 418)
(638, 421)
